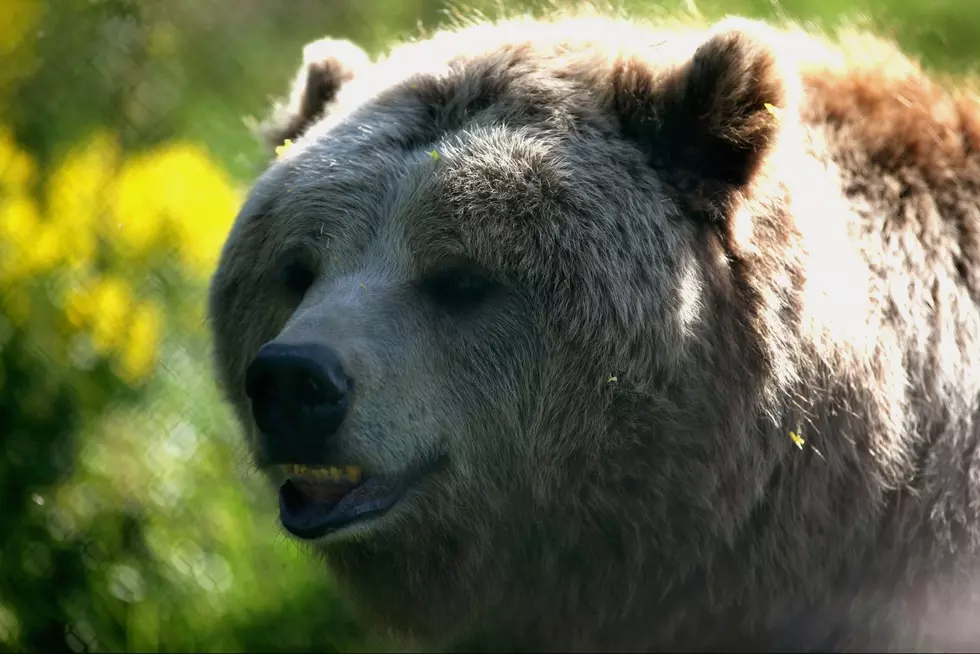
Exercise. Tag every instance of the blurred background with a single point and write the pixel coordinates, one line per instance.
(130, 518)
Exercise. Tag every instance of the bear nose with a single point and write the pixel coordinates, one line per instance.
(299, 396)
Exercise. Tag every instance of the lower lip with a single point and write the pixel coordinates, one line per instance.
(311, 520)
(368, 501)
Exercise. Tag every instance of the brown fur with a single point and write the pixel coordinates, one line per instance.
(683, 276)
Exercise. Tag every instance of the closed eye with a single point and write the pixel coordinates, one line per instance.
(459, 287)
(297, 274)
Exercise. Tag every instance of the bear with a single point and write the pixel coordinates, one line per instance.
(583, 332)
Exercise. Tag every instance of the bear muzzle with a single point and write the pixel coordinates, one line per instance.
(300, 396)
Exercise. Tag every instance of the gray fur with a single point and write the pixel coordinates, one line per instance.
(684, 278)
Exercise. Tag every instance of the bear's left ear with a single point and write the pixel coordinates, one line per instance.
(711, 121)
(328, 64)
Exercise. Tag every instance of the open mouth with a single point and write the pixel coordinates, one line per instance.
(315, 501)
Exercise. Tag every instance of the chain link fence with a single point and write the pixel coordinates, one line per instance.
(131, 518)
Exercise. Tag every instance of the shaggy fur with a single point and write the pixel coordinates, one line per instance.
(604, 269)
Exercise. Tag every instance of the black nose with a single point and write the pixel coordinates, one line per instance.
(299, 399)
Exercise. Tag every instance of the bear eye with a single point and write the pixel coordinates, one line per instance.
(297, 275)
(458, 287)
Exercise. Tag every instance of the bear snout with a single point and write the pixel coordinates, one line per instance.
(300, 396)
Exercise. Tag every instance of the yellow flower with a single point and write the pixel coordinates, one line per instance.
(202, 206)
(134, 221)
(281, 150)
(76, 193)
(139, 353)
(28, 246)
(797, 439)
(171, 196)
(774, 110)
(110, 302)
(177, 188)
(18, 219)
(19, 226)
(76, 306)
(46, 250)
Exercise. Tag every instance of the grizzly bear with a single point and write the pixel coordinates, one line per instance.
(582, 333)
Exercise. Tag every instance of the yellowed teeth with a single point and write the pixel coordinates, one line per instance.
(350, 473)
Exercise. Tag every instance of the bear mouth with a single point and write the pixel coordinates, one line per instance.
(315, 501)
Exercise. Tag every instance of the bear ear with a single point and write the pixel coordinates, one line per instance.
(711, 121)
(328, 64)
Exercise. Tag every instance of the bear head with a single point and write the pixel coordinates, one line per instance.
(504, 319)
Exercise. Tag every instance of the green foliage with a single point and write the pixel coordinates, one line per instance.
(131, 520)
(126, 523)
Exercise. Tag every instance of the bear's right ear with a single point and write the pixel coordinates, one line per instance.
(328, 64)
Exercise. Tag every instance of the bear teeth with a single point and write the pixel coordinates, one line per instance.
(349, 474)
